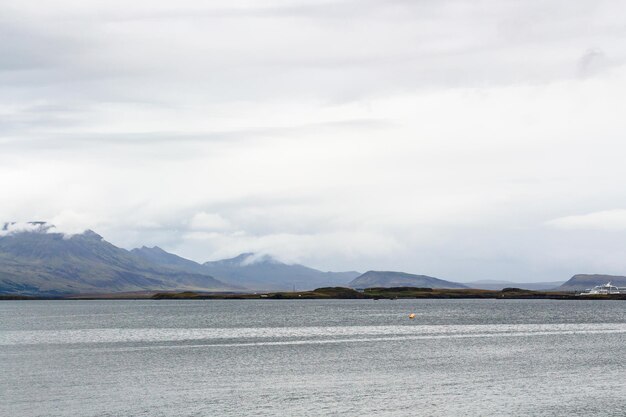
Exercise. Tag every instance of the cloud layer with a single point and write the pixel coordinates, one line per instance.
(609, 220)
(436, 137)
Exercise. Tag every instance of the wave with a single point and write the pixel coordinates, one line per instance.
(255, 336)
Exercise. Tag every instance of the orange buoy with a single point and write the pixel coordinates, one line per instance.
(412, 316)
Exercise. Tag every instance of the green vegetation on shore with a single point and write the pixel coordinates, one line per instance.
(376, 293)
(320, 293)
(392, 293)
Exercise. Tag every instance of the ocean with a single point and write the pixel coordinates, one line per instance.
(312, 358)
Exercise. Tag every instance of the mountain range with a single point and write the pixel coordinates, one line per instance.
(39, 261)
(251, 271)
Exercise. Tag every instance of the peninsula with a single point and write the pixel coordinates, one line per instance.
(393, 293)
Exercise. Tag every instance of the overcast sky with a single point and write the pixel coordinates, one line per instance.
(461, 139)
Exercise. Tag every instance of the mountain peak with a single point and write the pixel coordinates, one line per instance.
(155, 249)
(90, 234)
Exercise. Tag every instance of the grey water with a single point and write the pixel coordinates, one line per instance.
(313, 358)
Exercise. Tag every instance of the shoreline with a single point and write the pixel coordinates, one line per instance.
(339, 293)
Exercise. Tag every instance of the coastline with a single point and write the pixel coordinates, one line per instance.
(334, 293)
(395, 293)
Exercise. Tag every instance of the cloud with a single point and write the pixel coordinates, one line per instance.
(254, 258)
(208, 222)
(293, 248)
(592, 62)
(70, 222)
(609, 220)
(11, 228)
(426, 136)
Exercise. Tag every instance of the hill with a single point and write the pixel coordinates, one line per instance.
(38, 261)
(387, 279)
(583, 281)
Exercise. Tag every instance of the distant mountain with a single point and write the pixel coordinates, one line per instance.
(257, 272)
(583, 281)
(160, 257)
(37, 261)
(498, 285)
(400, 279)
(266, 273)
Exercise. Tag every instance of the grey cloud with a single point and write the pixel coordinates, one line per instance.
(592, 61)
(387, 47)
(347, 134)
(16, 133)
(26, 47)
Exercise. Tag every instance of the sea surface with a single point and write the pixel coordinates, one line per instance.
(313, 358)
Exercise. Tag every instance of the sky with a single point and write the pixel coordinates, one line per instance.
(465, 140)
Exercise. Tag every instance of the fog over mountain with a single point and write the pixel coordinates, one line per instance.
(481, 140)
(36, 259)
(39, 261)
(253, 272)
